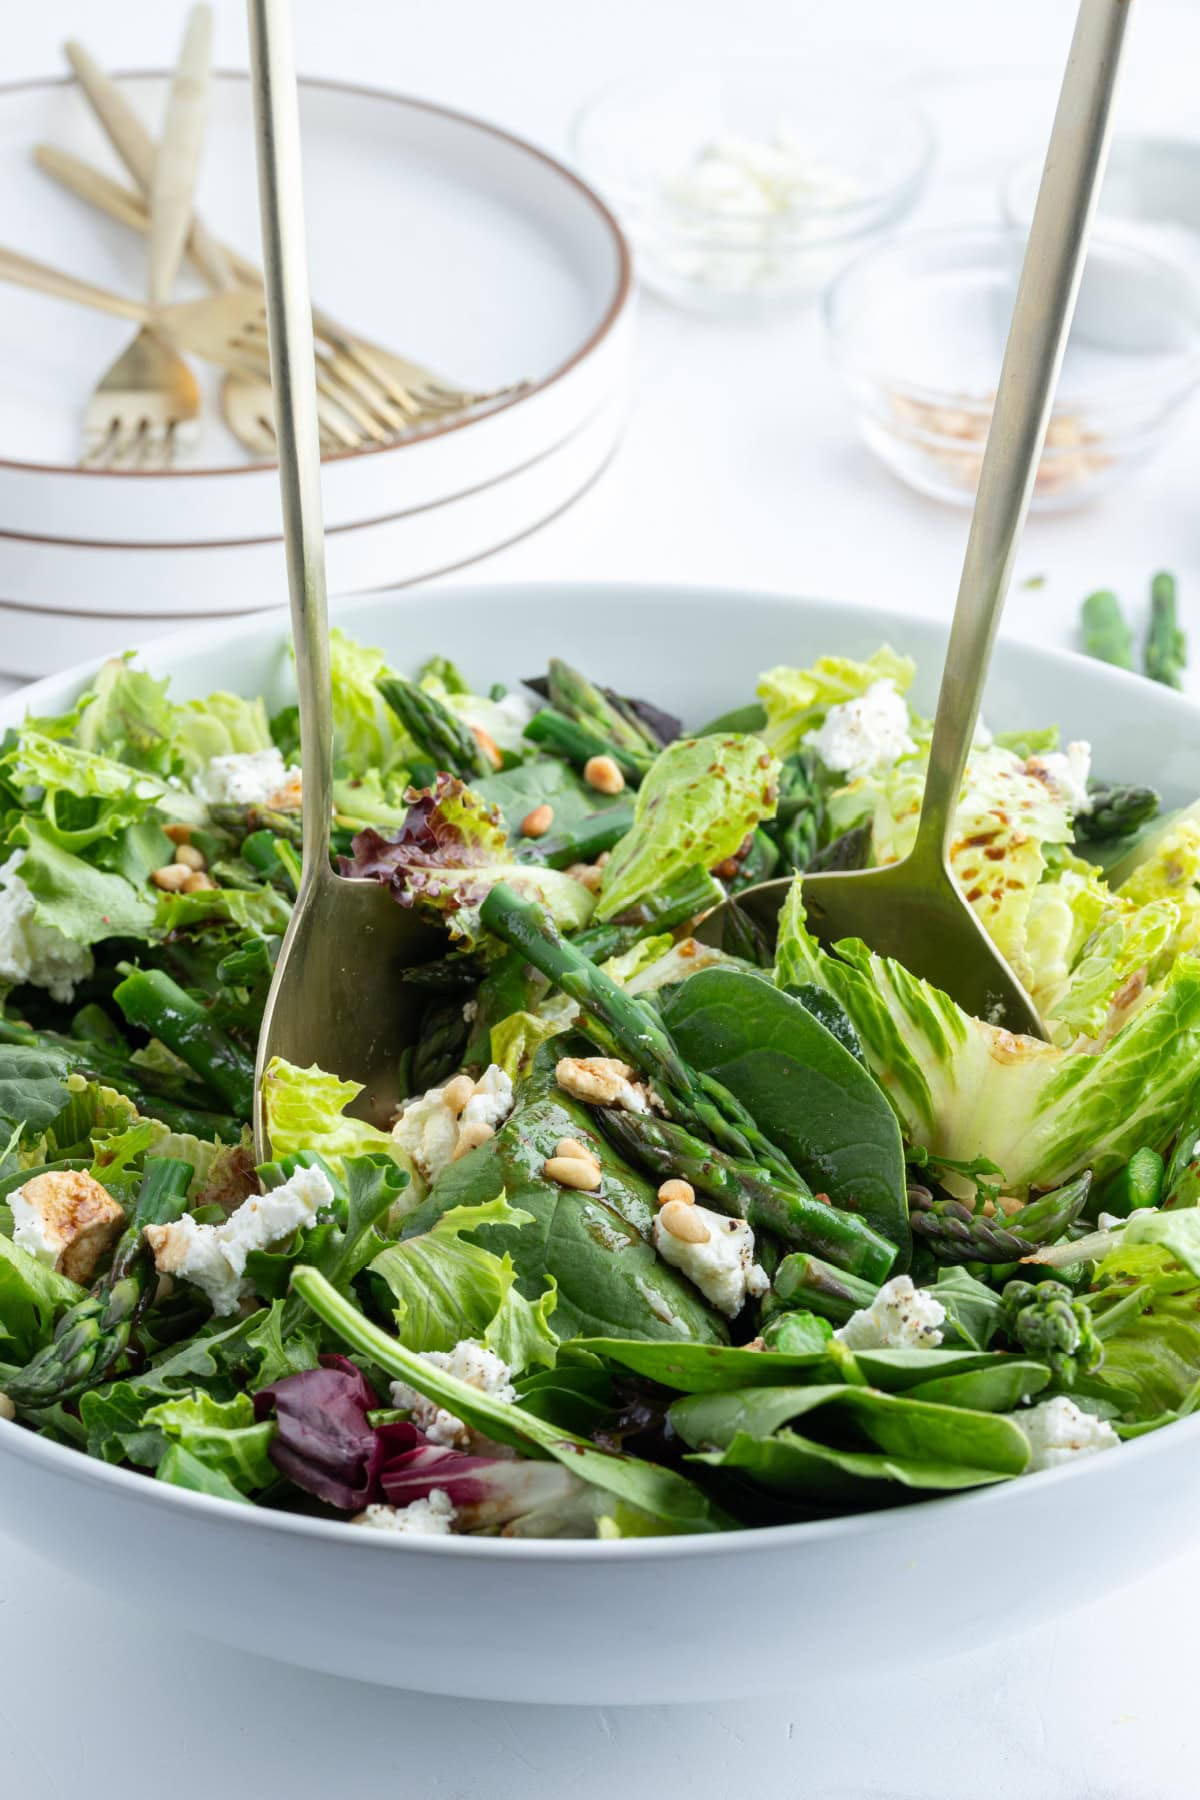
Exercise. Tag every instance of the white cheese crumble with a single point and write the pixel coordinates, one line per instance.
(1059, 1431)
(427, 1131)
(432, 1517)
(473, 1363)
(748, 177)
(31, 952)
(723, 1268)
(1068, 771)
(213, 1257)
(862, 736)
(250, 778)
(901, 1317)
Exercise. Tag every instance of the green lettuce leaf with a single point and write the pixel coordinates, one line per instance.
(32, 1299)
(126, 715)
(1146, 1308)
(694, 808)
(367, 733)
(220, 1435)
(306, 1110)
(966, 1089)
(86, 904)
(796, 700)
(445, 1288)
(222, 725)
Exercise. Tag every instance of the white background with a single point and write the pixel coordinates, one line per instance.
(739, 467)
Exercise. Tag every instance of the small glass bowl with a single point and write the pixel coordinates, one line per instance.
(918, 326)
(861, 152)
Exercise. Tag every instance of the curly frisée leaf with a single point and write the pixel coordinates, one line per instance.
(694, 808)
(450, 852)
(965, 1089)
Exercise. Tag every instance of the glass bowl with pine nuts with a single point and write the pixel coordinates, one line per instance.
(917, 329)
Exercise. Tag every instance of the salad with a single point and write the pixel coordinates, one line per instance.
(666, 1237)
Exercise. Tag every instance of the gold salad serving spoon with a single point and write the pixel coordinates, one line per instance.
(337, 997)
(914, 910)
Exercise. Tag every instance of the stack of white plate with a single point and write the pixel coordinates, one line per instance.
(438, 235)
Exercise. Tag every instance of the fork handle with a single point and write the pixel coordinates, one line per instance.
(1037, 338)
(178, 157)
(22, 271)
(138, 151)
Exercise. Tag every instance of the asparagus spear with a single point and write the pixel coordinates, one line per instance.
(746, 1191)
(443, 738)
(1165, 656)
(1138, 1184)
(807, 1282)
(577, 744)
(1046, 1320)
(149, 998)
(580, 699)
(623, 1025)
(1106, 636)
(584, 842)
(850, 851)
(93, 1333)
(156, 1095)
(799, 810)
(956, 1234)
(1116, 810)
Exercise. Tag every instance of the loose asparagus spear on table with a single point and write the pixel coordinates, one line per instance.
(746, 1191)
(1165, 655)
(622, 1025)
(94, 1333)
(1106, 636)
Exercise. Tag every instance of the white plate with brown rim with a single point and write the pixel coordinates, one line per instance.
(435, 233)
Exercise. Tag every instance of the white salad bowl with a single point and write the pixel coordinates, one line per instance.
(665, 1619)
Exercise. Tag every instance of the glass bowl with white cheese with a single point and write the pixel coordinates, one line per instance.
(917, 328)
(745, 186)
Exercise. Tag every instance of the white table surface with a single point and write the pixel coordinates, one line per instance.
(739, 467)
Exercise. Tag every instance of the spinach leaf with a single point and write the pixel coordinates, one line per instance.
(804, 1089)
(998, 1388)
(878, 1438)
(33, 1088)
(545, 781)
(611, 1280)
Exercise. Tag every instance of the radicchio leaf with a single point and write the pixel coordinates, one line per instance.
(324, 1442)
(485, 1490)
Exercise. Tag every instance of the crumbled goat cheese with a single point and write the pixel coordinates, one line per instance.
(864, 735)
(251, 778)
(472, 1363)
(747, 177)
(602, 1081)
(470, 1011)
(67, 1220)
(723, 1268)
(1068, 771)
(31, 952)
(901, 1317)
(427, 1130)
(214, 1256)
(1059, 1431)
(431, 1517)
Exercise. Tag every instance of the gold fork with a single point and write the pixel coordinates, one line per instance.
(143, 403)
(401, 392)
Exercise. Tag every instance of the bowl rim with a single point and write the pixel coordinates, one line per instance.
(1175, 387)
(76, 1465)
(850, 218)
(617, 305)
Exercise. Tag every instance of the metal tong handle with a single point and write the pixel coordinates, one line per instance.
(1033, 356)
(293, 378)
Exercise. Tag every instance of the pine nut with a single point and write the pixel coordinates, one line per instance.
(573, 1148)
(456, 1093)
(178, 834)
(684, 1222)
(190, 857)
(171, 878)
(538, 822)
(602, 773)
(471, 1136)
(572, 1172)
(487, 745)
(680, 1191)
(7, 1409)
(197, 882)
